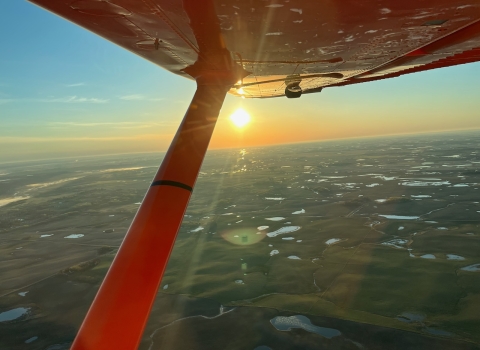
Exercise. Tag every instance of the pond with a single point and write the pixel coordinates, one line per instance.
(283, 323)
(281, 231)
(13, 314)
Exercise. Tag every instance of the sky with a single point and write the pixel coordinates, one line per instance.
(66, 92)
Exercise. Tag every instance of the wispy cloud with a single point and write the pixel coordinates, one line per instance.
(140, 126)
(67, 99)
(134, 97)
(139, 97)
(73, 99)
(66, 124)
(117, 125)
(75, 85)
(141, 137)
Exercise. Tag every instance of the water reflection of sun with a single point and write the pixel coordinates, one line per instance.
(240, 118)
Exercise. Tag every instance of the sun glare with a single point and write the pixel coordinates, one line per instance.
(240, 118)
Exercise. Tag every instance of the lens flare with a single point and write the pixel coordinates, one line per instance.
(243, 236)
(240, 118)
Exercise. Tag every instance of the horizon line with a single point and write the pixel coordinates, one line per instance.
(26, 160)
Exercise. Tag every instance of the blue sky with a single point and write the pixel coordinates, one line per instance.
(65, 91)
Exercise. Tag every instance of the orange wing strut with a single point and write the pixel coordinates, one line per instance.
(118, 315)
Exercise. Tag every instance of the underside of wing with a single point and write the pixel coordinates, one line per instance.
(303, 45)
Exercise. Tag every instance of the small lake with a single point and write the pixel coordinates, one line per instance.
(397, 243)
(454, 257)
(424, 183)
(31, 340)
(400, 217)
(471, 268)
(78, 235)
(276, 218)
(410, 317)
(428, 256)
(332, 241)
(286, 324)
(281, 231)
(385, 178)
(439, 332)
(13, 314)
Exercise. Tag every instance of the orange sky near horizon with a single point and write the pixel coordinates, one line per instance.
(264, 129)
(55, 148)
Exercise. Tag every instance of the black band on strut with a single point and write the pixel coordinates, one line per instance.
(171, 183)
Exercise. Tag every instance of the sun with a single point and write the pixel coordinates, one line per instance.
(240, 118)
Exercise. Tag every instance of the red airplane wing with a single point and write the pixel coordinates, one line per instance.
(317, 43)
